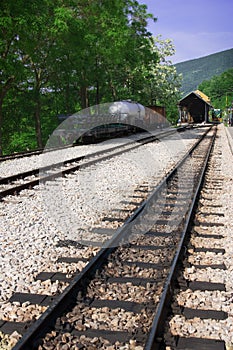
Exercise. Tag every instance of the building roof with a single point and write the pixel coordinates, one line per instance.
(203, 96)
(198, 94)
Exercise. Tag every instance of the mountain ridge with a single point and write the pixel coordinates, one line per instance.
(197, 70)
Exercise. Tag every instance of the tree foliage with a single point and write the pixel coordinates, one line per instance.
(219, 89)
(59, 56)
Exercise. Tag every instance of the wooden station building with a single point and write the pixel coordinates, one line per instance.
(194, 108)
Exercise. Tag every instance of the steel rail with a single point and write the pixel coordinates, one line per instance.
(30, 153)
(35, 152)
(155, 337)
(69, 296)
(43, 170)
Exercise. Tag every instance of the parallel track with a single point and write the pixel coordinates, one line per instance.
(25, 154)
(14, 184)
(47, 173)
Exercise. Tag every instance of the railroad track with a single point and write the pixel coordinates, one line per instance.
(35, 152)
(119, 280)
(14, 184)
(198, 315)
(26, 154)
(20, 155)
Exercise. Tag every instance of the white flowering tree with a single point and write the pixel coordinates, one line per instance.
(162, 83)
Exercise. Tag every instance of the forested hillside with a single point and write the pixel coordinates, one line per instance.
(195, 71)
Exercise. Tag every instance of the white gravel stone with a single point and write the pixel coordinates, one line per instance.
(29, 232)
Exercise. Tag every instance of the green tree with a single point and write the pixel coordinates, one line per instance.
(114, 42)
(11, 62)
(59, 56)
(40, 44)
(219, 89)
(28, 45)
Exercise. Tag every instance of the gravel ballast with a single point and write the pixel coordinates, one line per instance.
(30, 229)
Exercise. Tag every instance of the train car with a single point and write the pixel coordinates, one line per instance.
(110, 120)
(215, 115)
(128, 112)
(157, 117)
(135, 114)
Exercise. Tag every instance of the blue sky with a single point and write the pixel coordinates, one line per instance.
(198, 28)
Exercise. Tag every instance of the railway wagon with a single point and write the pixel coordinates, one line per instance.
(120, 118)
(133, 113)
(127, 117)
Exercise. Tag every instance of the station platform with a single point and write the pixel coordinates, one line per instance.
(229, 132)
